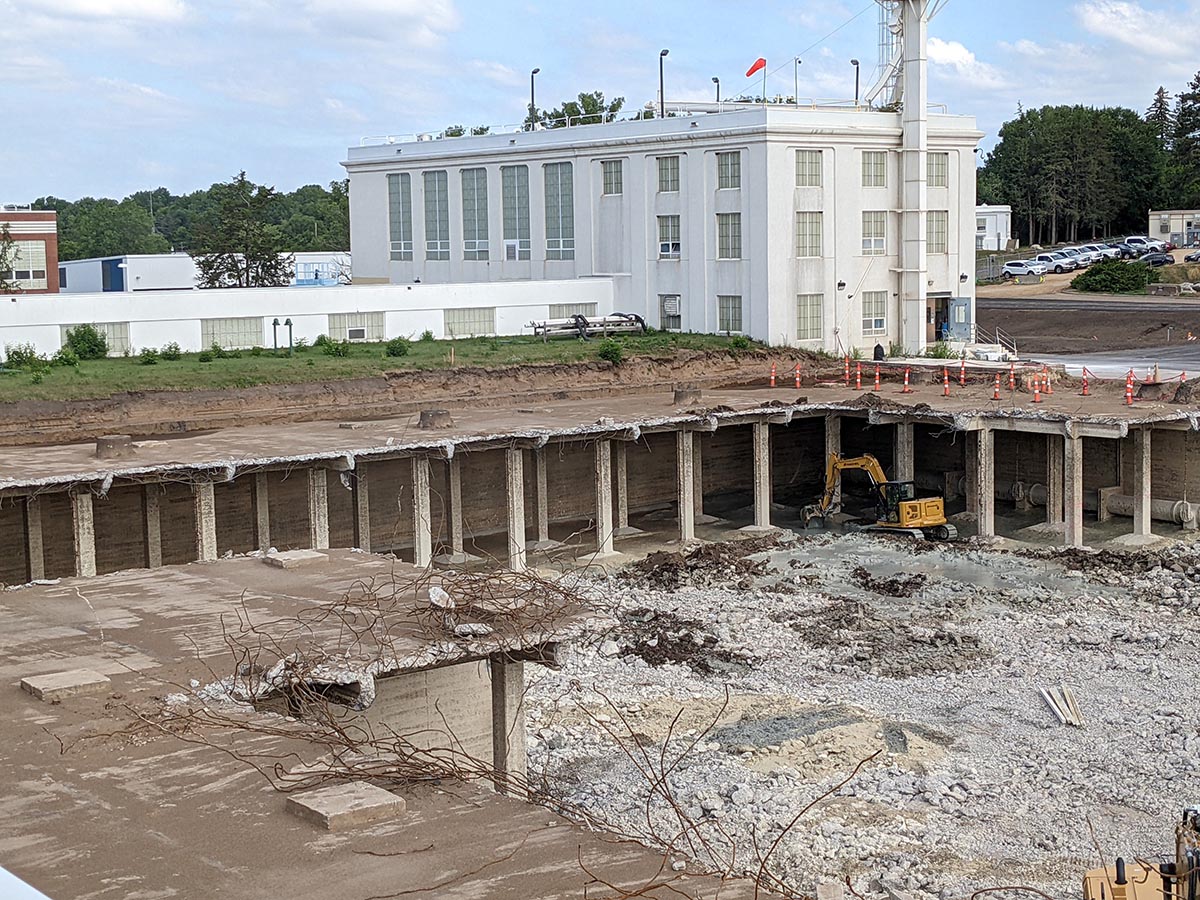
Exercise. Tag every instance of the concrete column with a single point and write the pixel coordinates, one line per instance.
(318, 510)
(904, 451)
(833, 445)
(422, 518)
(262, 512)
(686, 482)
(762, 474)
(542, 492)
(456, 516)
(971, 465)
(1054, 479)
(1073, 490)
(151, 502)
(84, 527)
(1141, 482)
(624, 529)
(35, 552)
(604, 505)
(514, 477)
(205, 505)
(985, 481)
(508, 720)
(698, 476)
(362, 507)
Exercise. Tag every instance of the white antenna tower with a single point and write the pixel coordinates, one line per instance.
(888, 87)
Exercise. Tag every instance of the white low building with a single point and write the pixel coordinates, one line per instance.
(993, 227)
(1179, 226)
(177, 271)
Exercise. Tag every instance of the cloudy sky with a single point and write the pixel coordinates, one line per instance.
(110, 96)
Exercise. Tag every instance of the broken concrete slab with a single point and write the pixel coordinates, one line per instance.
(58, 685)
(294, 559)
(344, 806)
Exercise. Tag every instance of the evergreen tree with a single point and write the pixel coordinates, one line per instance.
(237, 246)
(1160, 117)
(1187, 125)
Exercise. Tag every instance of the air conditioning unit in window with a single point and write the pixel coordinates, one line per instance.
(356, 334)
(511, 249)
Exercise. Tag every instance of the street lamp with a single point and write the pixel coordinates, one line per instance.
(796, 86)
(717, 82)
(662, 98)
(854, 62)
(532, 104)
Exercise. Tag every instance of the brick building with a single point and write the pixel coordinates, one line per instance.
(35, 270)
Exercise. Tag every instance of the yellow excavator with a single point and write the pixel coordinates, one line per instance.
(897, 508)
(1171, 877)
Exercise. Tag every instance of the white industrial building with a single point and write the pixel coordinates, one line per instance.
(177, 272)
(814, 226)
(993, 227)
(1179, 226)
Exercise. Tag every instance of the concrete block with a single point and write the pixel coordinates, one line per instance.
(57, 685)
(294, 559)
(344, 806)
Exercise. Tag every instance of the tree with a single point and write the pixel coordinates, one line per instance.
(237, 246)
(589, 109)
(8, 261)
(1161, 119)
(1186, 143)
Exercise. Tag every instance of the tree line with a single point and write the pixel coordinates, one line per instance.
(1075, 172)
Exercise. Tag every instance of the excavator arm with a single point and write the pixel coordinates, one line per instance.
(833, 477)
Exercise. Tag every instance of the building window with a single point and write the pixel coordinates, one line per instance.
(116, 334)
(808, 168)
(62, 278)
(514, 189)
(231, 334)
(668, 174)
(614, 177)
(670, 312)
(469, 322)
(475, 213)
(937, 223)
(28, 266)
(560, 211)
(874, 312)
(874, 168)
(937, 169)
(357, 326)
(729, 170)
(729, 313)
(809, 226)
(437, 216)
(400, 224)
(729, 235)
(809, 311)
(874, 233)
(566, 310)
(668, 237)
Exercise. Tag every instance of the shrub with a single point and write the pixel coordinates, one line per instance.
(940, 350)
(65, 357)
(340, 349)
(1115, 277)
(170, 352)
(204, 357)
(256, 351)
(299, 345)
(397, 346)
(739, 342)
(427, 335)
(611, 351)
(321, 340)
(23, 356)
(148, 357)
(493, 344)
(38, 377)
(87, 342)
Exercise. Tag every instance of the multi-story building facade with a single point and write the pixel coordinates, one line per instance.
(993, 227)
(786, 224)
(35, 236)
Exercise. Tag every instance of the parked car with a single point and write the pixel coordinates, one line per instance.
(1020, 267)
(1168, 247)
(1144, 244)
(1124, 251)
(1057, 262)
(1083, 258)
(1105, 251)
(1193, 257)
(1157, 259)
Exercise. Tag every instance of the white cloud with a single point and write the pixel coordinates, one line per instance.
(420, 23)
(954, 55)
(126, 10)
(498, 73)
(1152, 32)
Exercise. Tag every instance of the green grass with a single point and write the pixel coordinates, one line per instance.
(104, 377)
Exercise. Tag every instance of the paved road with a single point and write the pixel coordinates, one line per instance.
(1172, 359)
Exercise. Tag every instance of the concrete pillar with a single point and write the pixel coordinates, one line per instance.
(985, 481)
(698, 476)
(686, 482)
(833, 445)
(762, 474)
(318, 510)
(904, 451)
(35, 552)
(971, 467)
(362, 507)
(422, 518)
(1073, 490)
(1141, 482)
(262, 512)
(456, 515)
(514, 478)
(508, 720)
(542, 492)
(624, 529)
(604, 505)
(205, 506)
(151, 508)
(1054, 479)
(84, 527)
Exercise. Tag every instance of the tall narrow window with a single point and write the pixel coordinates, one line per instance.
(514, 190)
(808, 168)
(560, 211)
(808, 233)
(400, 223)
(874, 233)
(729, 235)
(809, 309)
(668, 174)
(475, 213)
(614, 181)
(729, 170)
(937, 169)
(874, 168)
(874, 312)
(937, 223)
(729, 313)
(437, 216)
(668, 237)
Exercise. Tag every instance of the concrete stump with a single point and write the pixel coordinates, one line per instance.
(343, 806)
(435, 418)
(115, 446)
(57, 685)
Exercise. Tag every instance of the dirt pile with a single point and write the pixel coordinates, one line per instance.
(897, 586)
(660, 637)
(704, 565)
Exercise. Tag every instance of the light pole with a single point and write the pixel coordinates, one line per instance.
(662, 98)
(796, 85)
(532, 104)
(717, 82)
(854, 62)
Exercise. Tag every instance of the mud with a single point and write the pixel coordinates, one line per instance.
(703, 565)
(660, 637)
(898, 586)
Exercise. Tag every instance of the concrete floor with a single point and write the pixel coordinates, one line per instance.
(1171, 360)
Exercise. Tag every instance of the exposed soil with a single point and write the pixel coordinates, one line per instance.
(899, 586)
(660, 637)
(702, 565)
(1044, 329)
